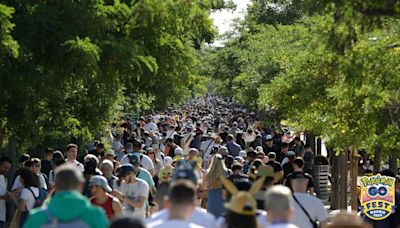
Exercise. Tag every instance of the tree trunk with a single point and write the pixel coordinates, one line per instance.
(377, 158)
(319, 146)
(334, 181)
(353, 175)
(343, 179)
(12, 151)
(310, 140)
(393, 164)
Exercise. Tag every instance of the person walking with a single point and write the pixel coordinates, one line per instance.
(279, 207)
(181, 204)
(5, 166)
(68, 206)
(101, 197)
(214, 185)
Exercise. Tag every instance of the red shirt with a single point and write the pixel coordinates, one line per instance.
(107, 205)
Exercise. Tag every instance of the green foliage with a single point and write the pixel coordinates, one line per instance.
(8, 46)
(80, 60)
(330, 68)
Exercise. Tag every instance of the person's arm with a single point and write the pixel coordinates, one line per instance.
(117, 207)
(139, 203)
(22, 205)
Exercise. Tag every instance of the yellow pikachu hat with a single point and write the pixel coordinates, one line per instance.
(242, 202)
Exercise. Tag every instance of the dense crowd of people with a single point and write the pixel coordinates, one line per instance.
(209, 163)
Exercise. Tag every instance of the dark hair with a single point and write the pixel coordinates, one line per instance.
(30, 178)
(69, 146)
(252, 154)
(236, 220)
(307, 146)
(230, 137)
(100, 145)
(229, 160)
(24, 158)
(169, 140)
(236, 166)
(182, 192)
(388, 173)
(36, 162)
(126, 221)
(297, 138)
(49, 151)
(29, 164)
(299, 162)
(5, 159)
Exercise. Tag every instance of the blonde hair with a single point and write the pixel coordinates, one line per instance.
(215, 171)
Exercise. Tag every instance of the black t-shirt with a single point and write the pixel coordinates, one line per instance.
(223, 136)
(311, 183)
(280, 156)
(287, 169)
(235, 178)
(276, 165)
(270, 149)
(46, 167)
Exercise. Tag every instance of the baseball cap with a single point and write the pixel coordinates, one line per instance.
(223, 150)
(243, 154)
(184, 171)
(98, 180)
(259, 149)
(239, 158)
(178, 151)
(125, 169)
(291, 154)
(268, 137)
(136, 143)
(110, 152)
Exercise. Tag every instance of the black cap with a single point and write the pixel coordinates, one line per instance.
(125, 169)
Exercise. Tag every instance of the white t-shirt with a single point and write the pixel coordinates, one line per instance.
(77, 164)
(146, 162)
(17, 183)
(117, 145)
(29, 197)
(199, 217)
(170, 134)
(248, 138)
(150, 127)
(134, 191)
(314, 206)
(172, 224)
(3, 191)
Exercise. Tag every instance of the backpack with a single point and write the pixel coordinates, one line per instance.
(53, 222)
(38, 200)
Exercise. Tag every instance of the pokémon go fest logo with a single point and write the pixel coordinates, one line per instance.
(377, 196)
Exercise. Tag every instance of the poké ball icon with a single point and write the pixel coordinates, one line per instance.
(374, 191)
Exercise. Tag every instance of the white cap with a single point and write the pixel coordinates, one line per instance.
(168, 161)
(268, 137)
(178, 151)
(242, 154)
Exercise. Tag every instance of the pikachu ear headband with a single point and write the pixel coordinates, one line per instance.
(242, 202)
